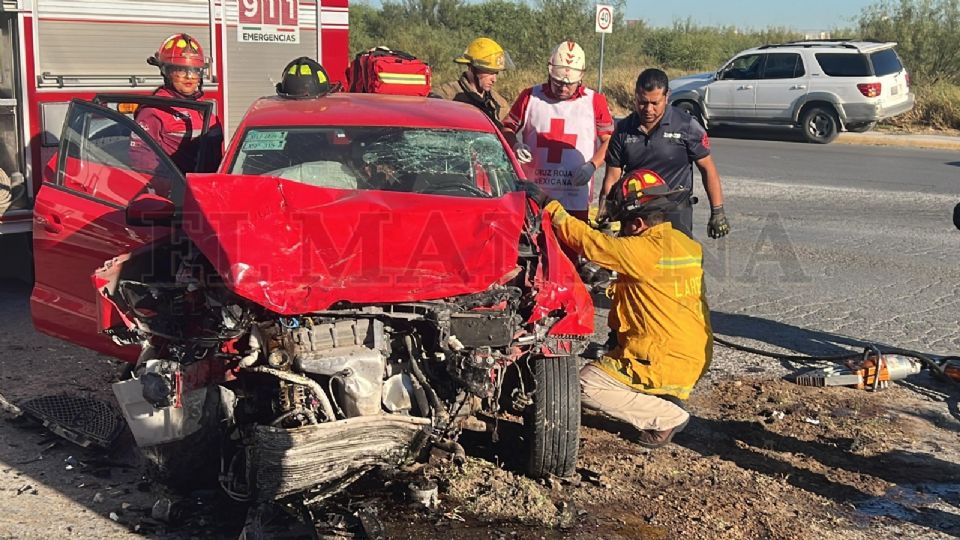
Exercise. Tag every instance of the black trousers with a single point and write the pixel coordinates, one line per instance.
(682, 217)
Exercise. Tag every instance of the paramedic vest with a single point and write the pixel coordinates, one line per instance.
(562, 136)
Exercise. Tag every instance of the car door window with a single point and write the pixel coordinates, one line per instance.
(844, 64)
(783, 66)
(743, 68)
(105, 155)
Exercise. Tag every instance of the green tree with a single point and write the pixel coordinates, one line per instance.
(927, 32)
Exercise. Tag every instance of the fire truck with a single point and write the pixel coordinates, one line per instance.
(52, 51)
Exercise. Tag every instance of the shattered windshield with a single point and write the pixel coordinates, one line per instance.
(438, 161)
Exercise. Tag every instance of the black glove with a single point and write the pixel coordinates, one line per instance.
(535, 192)
(717, 226)
(583, 175)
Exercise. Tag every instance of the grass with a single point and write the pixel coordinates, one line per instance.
(937, 109)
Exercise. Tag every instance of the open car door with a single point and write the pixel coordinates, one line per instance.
(207, 137)
(99, 199)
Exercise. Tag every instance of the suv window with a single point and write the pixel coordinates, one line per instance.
(743, 68)
(783, 66)
(844, 64)
(885, 62)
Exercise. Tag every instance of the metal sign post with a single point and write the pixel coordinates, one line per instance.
(604, 23)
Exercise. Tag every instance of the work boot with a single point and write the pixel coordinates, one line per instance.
(651, 438)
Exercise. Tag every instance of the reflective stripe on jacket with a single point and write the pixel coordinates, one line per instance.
(665, 342)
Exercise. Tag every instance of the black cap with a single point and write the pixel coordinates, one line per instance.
(304, 78)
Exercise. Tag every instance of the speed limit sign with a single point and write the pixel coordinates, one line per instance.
(604, 19)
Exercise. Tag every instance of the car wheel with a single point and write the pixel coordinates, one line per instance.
(692, 109)
(553, 419)
(861, 128)
(820, 125)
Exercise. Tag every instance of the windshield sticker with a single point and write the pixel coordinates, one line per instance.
(264, 140)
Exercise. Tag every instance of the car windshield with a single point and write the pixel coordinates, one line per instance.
(438, 161)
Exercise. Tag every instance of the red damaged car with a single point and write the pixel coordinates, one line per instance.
(356, 281)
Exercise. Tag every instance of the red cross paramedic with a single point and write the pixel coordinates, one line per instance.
(560, 130)
(177, 129)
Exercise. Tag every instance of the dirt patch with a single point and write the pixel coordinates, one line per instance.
(763, 458)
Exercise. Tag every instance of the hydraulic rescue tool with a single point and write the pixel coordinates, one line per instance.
(872, 372)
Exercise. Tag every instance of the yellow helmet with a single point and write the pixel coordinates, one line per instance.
(486, 54)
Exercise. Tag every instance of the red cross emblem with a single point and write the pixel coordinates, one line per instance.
(556, 141)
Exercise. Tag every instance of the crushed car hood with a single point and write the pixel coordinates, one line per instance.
(295, 248)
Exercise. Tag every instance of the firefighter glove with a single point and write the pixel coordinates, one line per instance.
(522, 152)
(584, 174)
(536, 193)
(717, 226)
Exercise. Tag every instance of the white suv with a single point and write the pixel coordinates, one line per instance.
(820, 86)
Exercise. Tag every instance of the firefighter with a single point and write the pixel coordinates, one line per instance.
(664, 342)
(304, 78)
(177, 129)
(560, 130)
(485, 60)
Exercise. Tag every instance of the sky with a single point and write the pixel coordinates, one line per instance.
(802, 15)
(798, 15)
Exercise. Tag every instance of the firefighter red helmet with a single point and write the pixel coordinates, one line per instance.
(179, 50)
(640, 192)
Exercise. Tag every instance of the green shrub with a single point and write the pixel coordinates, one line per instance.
(938, 107)
(928, 32)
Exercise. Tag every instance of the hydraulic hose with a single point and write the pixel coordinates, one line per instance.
(925, 359)
(791, 357)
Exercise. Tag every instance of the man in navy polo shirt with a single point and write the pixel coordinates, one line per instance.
(662, 138)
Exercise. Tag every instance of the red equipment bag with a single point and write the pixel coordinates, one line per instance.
(383, 71)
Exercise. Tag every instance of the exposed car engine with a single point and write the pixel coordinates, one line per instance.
(307, 401)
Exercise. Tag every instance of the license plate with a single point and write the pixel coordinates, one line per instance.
(895, 90)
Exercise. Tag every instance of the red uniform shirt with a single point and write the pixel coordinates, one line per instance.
(177, 130)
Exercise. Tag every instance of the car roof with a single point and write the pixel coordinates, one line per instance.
(346, 109)
(839, 45)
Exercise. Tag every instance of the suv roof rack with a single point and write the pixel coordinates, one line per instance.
(807, 43)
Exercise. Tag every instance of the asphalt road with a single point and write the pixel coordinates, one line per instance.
(842, 165)
(833, 247)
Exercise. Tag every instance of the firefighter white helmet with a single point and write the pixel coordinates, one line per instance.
(567, 62)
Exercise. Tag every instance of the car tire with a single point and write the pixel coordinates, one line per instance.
(861, 128)
(820, 125)
(553, 419)
(692, 109)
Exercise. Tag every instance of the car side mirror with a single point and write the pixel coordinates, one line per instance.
(150, 209)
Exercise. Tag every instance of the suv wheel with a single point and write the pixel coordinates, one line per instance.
(820, 125)
(552, 421)
(690, 108)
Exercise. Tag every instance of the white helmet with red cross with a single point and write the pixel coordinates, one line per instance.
(567, 62)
